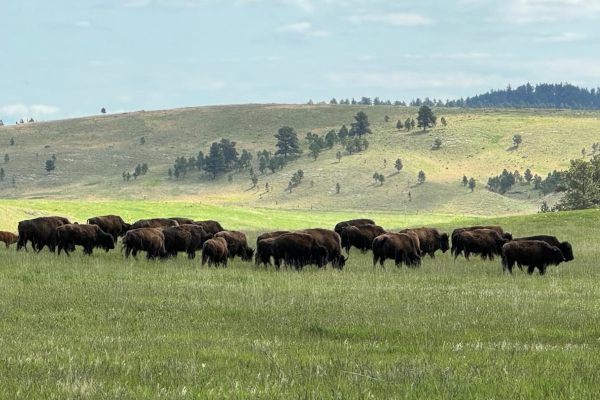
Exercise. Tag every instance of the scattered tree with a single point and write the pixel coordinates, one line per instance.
(412, 124)
(517, 140)
(361, 125)
(583, 153)
(398, 165)
(399, 125)
(144, 169)
(338, 155)
(50, 165)
(472, 184)
(421, 178)
(103, 110)
(337, 188)
(13, 182)
(528, 176)
(6, 158)
(2, 174)
(426, 118)
(386, 118)
(437, 144)
(343, 133)
(267, 187)
(333, 101)
(330, 138)
(312, 183)
(465, 180)
(254, 179)
(170, 173)
(407, 124)
(54, 157)
(444, 122)
(287, 142)
(142, 140)
(12, 141)
(215, 161)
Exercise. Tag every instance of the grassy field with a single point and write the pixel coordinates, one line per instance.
(93, 152)
(104, 327)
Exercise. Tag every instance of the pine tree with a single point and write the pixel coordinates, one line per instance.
(412, 124)
(2, 174)
(407, 124)
(528, 176)
(13, 182)
(386, 119)
(273, 165)
(338, 155)
(330, 139)
(583, 152)
(128, 176)
(443, 121)
(437, 144)
(517, 140)
(343, 133)
(215, 161)
(12, 141)
(54, 157)
(287, 142)
(6, 158)
(337, 188)
(124, 176)
(262, 165)
(361, 125)
(138, 171)
(170, 173)
(144, 169)
(426, 118)
(142, 140)
(472, 184)
(177, 174)
(398, 165)
(399, 125)
(465, 180)
(254, 179)
(421, 178)
(50, 165)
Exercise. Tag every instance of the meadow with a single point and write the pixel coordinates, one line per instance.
(106, 327)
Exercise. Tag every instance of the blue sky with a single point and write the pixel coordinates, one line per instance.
(67, 58)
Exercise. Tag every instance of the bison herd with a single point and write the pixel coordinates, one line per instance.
(166, 237)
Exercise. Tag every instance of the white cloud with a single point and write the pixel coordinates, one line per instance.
(403, 19)
(565, 37)
(299, 27)
(82, 24)
(529, 11)
(23, 111)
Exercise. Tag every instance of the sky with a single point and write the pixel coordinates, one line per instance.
(69, 58)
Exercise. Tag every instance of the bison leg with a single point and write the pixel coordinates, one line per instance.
(467, 254)
(531, 269)
(542, 269)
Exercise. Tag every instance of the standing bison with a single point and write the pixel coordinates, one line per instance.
(332, 242)
(157, 223)
(399, 247)
(150, 240)
(298, 250)
(430, 240)
(88, 236)
(264, 251)
(270, 235)
(532, 253)
(182, 221)
(185, 238)
(496, 229)
(237, 245)
(484, 242)
(40, 232)
(215, 252)
(212, 227)
(8, 238)
(360, 236)
(111, 224)
(353, 222)
(564, 247)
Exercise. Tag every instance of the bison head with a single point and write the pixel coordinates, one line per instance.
(507, 236)
(567, 250)
(556, 256)
(444, 242)
(340, 263)
(248, 254)
(125, 227)
(106, 241)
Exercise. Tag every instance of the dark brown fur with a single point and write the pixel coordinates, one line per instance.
(332, 242)
(532, 253)
(183, 221)
(157, 223)
(215, 252)
(484, 242)
(497, 229)
(213, 227)
(40, 232)
(430, 240)
(185, 238)
(150, 240)
(399, 247)
(360, 236)
(237, 245)
(111, 224)
(88, 236)
(353, 222)
(298, 250)
(564, 247)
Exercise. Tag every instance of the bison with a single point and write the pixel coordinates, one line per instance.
(264, 251)
(399, 247)
(215, 252)
(157, 223)
(111, 224)
(298, 250)
(182, 221)
(496, 229)
(564, 247)
(185, 238)
(360, 236)
(532, 253)
(212, 227)
(484, 242)
(270, 235)
(88, 236)
(354, 222)
(237, 245)
(430, 240)
(150, 240)
(40, 232)
(332, 242)
(8, 238)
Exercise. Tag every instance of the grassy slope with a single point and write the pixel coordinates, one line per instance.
(93, 152)
(104, 327)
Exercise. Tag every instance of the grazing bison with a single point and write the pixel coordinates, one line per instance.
(150, 240)
(111, 224)
(185, 238)
(298, 250)
(360, 236)
(484, 242)
(496, 229)
(158, 223)
(40, 232)
(215, 252)
(8, 238)
(532, 253)
(88, 236)
(354, 222)
(564, 247)
(332, 242)
(270, 235)
(237, 245)
(430, 240)
(399, 247)
(183, 221)
(264, 251)
(212, 227)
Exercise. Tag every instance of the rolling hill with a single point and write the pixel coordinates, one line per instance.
(93, 152)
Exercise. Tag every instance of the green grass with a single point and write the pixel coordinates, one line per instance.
(93, 152)
(106, 327)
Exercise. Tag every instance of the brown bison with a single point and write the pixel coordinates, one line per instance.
(215, 252)
(360, 236)
(264, 251)
(40, 232)
(8, 238)
(212, 227)
(532, 253)
(88, 236)
(430, 240)
(298, 250)
(353, 222)
(332, 242)
(185, 238)
(399, 247)
(150, 240)
(157, 223)
(270, 235)
(237, 245)
(564, 247)
(484, 242)
(497, 229)
(111, 224)
(183, 221)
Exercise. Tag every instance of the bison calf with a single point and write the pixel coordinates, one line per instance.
(8, 238)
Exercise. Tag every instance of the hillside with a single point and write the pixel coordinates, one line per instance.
(93, 152)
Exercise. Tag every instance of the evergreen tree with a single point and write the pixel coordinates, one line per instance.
(267, 187)
(177, 174)
(398, 165)
(443, 121)
(399, 125)
(338, 155)
(128, 176)
(13, 182)
(137, 171)
(518, 177)
(200, 161)
(426, 118)
(262, 165)
(2, 174)
(12, 141)
(582, 191)
(376, 177)
(273, 165)
(361, 125)
(465, 180)
(583, 153)
(215, 161)
(330, 138)
(230, 154)
(142, 140)
(437, 144)
(337, 188)
(6, 158)
(412, 124)
(50, 165)
(381, 179)
(54, 157)
(421, 178)
(343, 133)
(254, 179)
(170, 173)
(517, 140)
(287, 142)
(124, 176)
(333, 101)
(472, 184)
(407, 124)
(386, 119)
(537, 182)
(528, 176)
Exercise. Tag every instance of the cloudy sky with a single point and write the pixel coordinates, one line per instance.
(67, 58)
